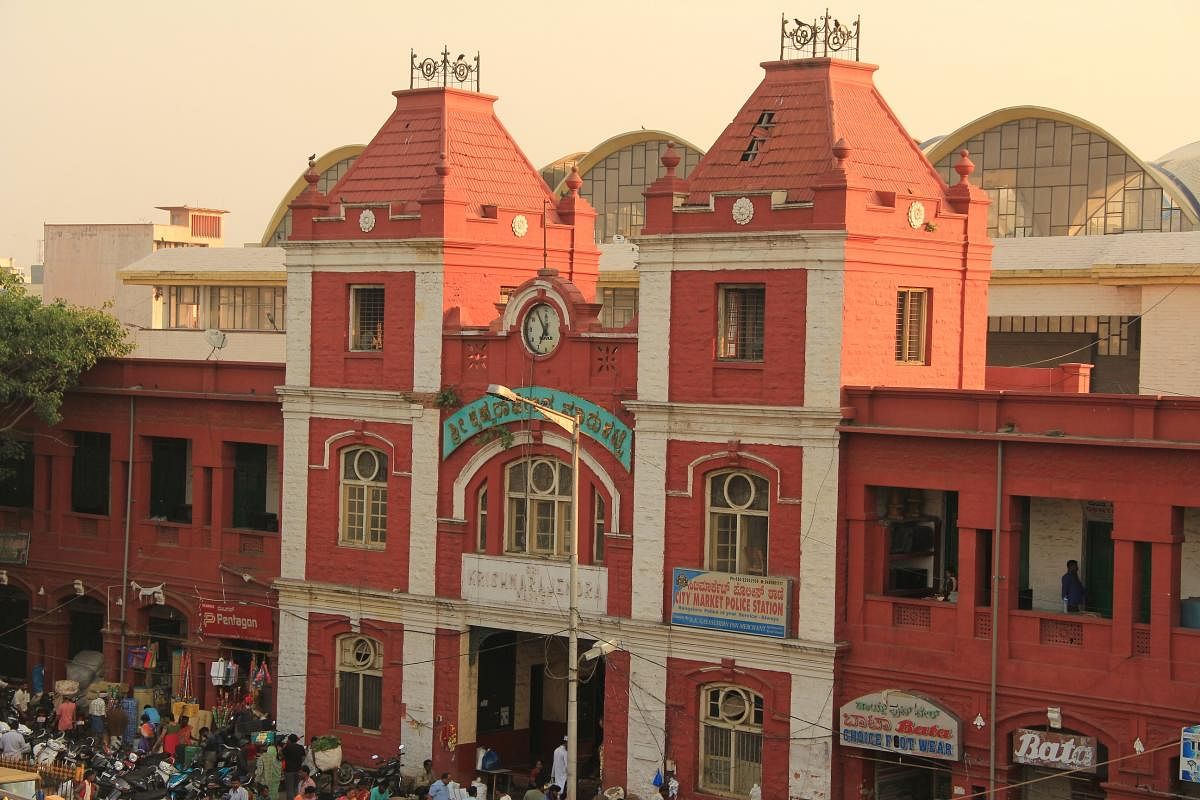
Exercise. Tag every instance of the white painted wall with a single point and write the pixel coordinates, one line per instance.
(258, 346)
(1168, 361)
(1055, 536)
(1066, 299)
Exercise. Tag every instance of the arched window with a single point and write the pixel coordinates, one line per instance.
(539, 507)
(731, 721)
(360, 682)
(364, 497)
(481, 517)
(738, 504)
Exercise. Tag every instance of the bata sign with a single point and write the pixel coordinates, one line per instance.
(1055, 750)
(235, 621)
(898, 722)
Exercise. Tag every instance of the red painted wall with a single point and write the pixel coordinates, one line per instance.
(697, 376)
(333, 363)
(686, 517)
(384, 569)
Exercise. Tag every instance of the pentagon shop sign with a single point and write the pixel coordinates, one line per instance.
(1054, 749)
(898, 722)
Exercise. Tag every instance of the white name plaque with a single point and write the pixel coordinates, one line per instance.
(532, 583)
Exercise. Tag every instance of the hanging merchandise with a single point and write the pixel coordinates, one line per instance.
(136, 657)
(216, 672)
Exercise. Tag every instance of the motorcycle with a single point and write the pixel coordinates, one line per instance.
(387, 773)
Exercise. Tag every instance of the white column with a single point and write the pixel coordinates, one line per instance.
(646, 726)
(419, 669)
(423, 514)
(292, 672)
(427, 332)
(654, 337)
(823, 338)
(299, 326)
(818, 550)
(810, 749)
(649, 523)
(293, 540)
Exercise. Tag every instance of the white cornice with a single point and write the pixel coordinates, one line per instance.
(818, 250)
(752, 424)
(364, 404)
(385, 255)
(648, 639)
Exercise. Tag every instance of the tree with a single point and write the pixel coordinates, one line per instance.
(44, 348)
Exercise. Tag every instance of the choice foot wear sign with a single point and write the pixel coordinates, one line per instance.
(898, 722)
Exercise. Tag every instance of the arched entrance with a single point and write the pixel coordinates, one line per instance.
(86, 622)
(14, 610)
(1058, 764)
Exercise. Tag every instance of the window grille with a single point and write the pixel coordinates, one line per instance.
(911, 325)
(598, 526)
(248, 308)
(183, 307)
(730, 740)
(481, 517)
(366, 318)
(741, 313)
(620, 306)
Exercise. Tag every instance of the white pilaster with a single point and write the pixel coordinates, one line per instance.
(422, 527)
(649, 524)
(293, 541)
(427, 331)
(654, 340)
(823, 337)
(419, 669)
(646, 727)
(818, 542)
(810, 749)
(292, 673)
(299, 327)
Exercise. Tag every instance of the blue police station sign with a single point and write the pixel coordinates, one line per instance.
(724, 601)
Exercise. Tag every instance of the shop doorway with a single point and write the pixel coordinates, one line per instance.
(910, 780)
(86, 621)
(167, 627)
(497, 683)
(14, 608)
(1071, 781)
(1098, 567)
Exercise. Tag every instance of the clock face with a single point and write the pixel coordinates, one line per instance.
(541, 329)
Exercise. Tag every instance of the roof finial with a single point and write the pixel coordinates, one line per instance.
(965, 166)
(841, 151)
(670, 159)
(573, 180)
(310, 174)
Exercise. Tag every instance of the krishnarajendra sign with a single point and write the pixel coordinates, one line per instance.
(899, 722)
(724, 601)
(489, 412)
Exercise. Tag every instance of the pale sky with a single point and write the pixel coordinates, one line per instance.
(112, 108)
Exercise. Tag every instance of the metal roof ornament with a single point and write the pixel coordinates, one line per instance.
(824, 37)
(461, 73)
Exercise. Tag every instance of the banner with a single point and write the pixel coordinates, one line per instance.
(724, 601)
(1189, 755)
(899, 722)
(489, 412)
(14, 547)
(236, 621)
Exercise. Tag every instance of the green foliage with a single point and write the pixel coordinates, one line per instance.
(44, 348)
(322, 743)
(448, 397)
(500, 432)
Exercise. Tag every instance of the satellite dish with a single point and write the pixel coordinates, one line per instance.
(215, 338)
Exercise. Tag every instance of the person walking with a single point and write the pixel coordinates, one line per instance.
(267, 772)
(66, 715)
(292, 756)
(236, 790)
(116, 723)
(130, 707)
(97, 710)
(558, 769)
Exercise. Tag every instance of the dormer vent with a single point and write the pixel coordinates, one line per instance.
(751, 151)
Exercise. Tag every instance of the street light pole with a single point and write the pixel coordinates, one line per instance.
(570, 425)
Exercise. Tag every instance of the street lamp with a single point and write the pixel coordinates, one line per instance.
(571, 425)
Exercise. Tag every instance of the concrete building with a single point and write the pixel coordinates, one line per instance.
(82, 260)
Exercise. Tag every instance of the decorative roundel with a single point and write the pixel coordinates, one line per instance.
(743, 210)
(366, 220)
(520, 225)
(916, 214)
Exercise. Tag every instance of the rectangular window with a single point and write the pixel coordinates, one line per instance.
(16, 477)
(366, 318)
(911, 325)
(170, 480)
(364, 497)
(248, 308)
(620, 306)
(598, 527)
(251, 472)
(90, 473)
(740, 313)
(183, 307)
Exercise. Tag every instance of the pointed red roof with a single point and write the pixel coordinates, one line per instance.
(791, 122)
(486, 165)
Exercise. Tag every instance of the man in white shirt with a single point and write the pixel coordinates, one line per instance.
(97, 709)
(558, 769)
(13, 744)
(237, 791)
(480, 788)
(21, 699)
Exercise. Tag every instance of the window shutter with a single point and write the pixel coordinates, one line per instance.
(916, 326)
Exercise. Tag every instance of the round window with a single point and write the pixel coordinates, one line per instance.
(364, 653)
(733, 706)
(739, 491)
(541, 477)
(366, 465)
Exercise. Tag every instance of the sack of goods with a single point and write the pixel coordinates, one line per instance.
(67, 688)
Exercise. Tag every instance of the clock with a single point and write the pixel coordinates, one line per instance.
(916, 214)
(520, 225)
(541, 329)
(366, 220)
